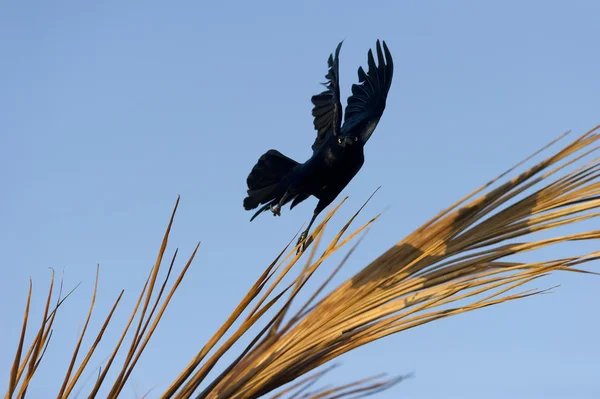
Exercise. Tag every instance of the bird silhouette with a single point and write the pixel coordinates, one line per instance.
(338, 150)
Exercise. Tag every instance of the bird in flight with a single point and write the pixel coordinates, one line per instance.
(338, 150)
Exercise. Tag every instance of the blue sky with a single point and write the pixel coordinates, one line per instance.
(110, 110)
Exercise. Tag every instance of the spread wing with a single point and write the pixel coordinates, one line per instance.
(367, 102)
(327, 110)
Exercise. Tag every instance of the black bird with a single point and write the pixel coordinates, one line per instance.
(338, 149)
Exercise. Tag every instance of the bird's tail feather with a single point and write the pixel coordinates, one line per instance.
(271, 167)
(263, 181)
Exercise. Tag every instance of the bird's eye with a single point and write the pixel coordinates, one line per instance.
(356, 139)
(340, 140)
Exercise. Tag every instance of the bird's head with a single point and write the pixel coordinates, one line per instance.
(347, 141)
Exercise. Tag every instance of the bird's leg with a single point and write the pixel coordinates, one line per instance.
(304, 234)
(276, 209)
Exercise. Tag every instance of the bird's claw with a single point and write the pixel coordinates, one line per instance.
(276, 209)
(304, 242)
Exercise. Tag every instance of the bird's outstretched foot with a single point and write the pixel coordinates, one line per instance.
(276, 209)
(302, 240)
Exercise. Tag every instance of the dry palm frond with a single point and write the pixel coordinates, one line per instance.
(19, 380)
(458, 256)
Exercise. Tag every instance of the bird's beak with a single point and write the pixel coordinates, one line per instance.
(348, 141)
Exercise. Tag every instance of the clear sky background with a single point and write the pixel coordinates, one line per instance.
(109, 110)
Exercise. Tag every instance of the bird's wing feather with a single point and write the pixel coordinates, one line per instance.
(327, 110)
(368, 99)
